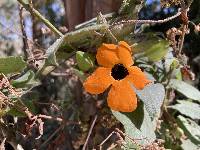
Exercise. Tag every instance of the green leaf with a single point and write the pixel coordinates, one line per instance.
(191, 128)
(137, 124)
(157, 51)
(84, 60)
(185, 89)
(12, 64)
(23, 80)
(79, 38)
(187, 108)
(188, 145)
(152, 96)
(15, 113)
(151, 46)
(80, 74)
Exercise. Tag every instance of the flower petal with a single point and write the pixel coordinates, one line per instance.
(107, 55)
(124, 54)
(99, 81)
(137, 77)
(121, 97)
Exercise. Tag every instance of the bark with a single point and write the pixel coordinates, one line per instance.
(78, 11)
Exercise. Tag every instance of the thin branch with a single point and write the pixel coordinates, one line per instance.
(52, 135)
(39, 16)
(68, 122)
(23, 31)
(128, 22)
(106, 139)
(182, 39)
(27, 52)
(103, 19)
(89, 133)
(2, 146)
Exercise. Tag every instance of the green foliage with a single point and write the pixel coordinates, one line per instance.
(191, 129)
(188, 145)
(152, 96)
(12, 64)
(185, 89)
(24, 80)
(142, 125)
(84, 60)
(157, 51)
(137, 125)
(187, 108)
(152, 47)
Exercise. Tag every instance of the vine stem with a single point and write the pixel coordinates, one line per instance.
(89, 133)
(128, 22)
(39, 16)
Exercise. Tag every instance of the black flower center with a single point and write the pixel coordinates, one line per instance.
(119, 72)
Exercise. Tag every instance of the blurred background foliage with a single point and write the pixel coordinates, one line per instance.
(57, 90)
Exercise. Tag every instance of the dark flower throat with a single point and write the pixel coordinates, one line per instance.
(119, 72)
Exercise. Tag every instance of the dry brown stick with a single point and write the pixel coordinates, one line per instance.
(90, 131)
(51, 136)
(42, 18)
(103, 19)
(127, 22)
(24, 38)
(2, 145)
(106, 139)
(51, 118)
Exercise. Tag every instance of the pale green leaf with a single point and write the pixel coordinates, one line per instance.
(137, 124)
(23, 80)
(191, 128)
(185, 89)
(187, 108)
(152, 96)
(188, 145)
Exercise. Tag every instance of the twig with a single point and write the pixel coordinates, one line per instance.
(58, 119)
(103, 20)
(89, 133)
(39, 16)
(23, 31)
(182, 39)
(27, 52)
(106, 139)
(2, 146)
(51, 118)
(51, 136)
(128, 22)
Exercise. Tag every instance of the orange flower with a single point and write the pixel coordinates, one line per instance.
(116, 71)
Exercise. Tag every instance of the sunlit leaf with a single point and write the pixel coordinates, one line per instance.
(152, 96)
(191, 128)
(12, 64)
(185, 89)
(187, 108)
(137, 124)
(84, 60)
(188, 145)
(23, 80)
